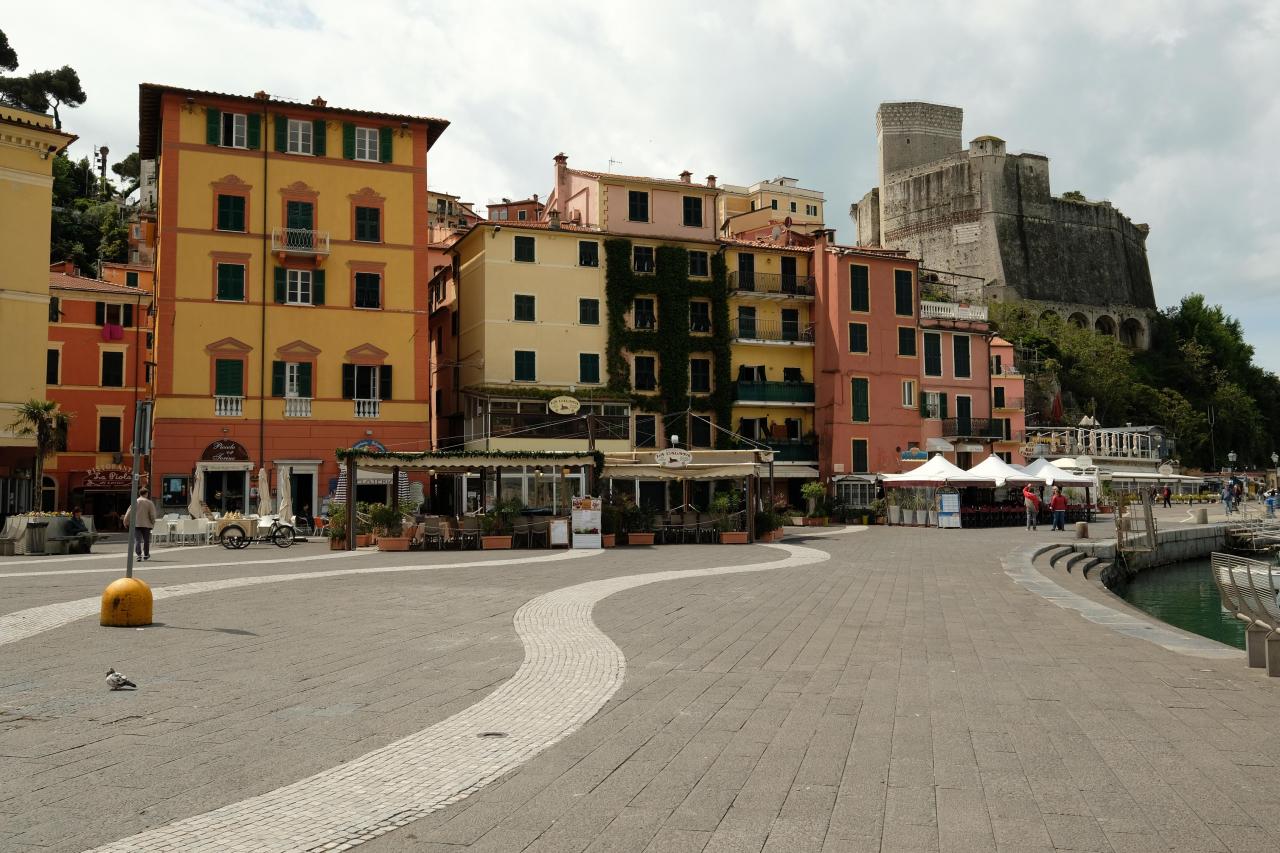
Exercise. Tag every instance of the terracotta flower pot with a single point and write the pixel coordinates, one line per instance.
(639, 538)
(393, 543)
(733, 537)
(815, 522)
(495, 543)
(772, 536)
(608, 540)
(337, 544)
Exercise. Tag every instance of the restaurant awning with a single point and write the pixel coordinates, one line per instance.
(461, 462)
(1004, 473)
(674, 466)
(938, 445)
(936, 472)
(1056, 476)
(789, 472)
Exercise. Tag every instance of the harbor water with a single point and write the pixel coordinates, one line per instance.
(1184, 595)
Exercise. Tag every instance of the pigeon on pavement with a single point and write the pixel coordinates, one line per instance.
(115, 680)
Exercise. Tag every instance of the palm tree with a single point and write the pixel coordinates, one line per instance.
(44, 420)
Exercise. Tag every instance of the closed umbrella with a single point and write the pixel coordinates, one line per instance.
(264, 493)
(284, 490)
(340, 491)
(403, 496)
(195, 505)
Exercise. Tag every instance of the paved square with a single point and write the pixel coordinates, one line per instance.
(881, 690)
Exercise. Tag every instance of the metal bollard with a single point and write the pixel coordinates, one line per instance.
(1082, 530)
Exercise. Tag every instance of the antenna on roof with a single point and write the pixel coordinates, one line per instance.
(613, 162)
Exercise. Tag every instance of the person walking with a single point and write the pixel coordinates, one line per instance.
(1058, 503)
(1032, 504)
(143, 513)
(1226, 497)
(1168, 494)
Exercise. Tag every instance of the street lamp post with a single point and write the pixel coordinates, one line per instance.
(1275, 463)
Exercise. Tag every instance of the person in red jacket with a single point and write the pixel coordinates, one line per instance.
(1031, 501)
(1058, 503)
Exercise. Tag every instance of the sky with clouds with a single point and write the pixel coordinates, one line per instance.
(1167, 108)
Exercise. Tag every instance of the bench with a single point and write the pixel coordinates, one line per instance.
(59, 541)
(1248, 591)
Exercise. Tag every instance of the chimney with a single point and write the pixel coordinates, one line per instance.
(261, 95)
(686, 176)
(711, 180)
(318, 101)
(553, 219)
(561, 185)
(535, 198)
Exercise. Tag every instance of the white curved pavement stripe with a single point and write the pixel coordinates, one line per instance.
(142, 571)
(806, 532)
(570, 670)
(34, 620)
(78, 558)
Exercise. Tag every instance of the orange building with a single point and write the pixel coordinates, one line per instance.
(291, 284)
(130, 275)
(96, 370)
(524, 210)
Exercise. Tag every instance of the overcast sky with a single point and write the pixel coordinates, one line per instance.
(1168, 109)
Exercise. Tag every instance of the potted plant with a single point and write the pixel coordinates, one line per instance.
(932, 511)
(639, 525)
(337, 528)
(724, 506)
(364, 528)
(389, 522)
(769, 525)
(496, 525)
(611, 523)
(815, 493)
(922, 510)
(877, 511)
(893, 505)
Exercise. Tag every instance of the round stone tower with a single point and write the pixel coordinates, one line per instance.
(910, 133)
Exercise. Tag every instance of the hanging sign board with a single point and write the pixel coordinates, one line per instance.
(586, 522)
(673, 457)
(225, 450)
(563, 405)
(117, 479)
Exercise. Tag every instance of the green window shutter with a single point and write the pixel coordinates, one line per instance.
(304, 379)
(348, 381)
(213, 126)
(254, 137)
(318, 137)
(348, 141)
(942, 404)
(282, 134)
(277, 379)
(100, 313)
(281, 284)
(384, 144)
(860, 400)
(924, 403)
(317, 287)
(228, 378)
(384, 382)
(859, 289)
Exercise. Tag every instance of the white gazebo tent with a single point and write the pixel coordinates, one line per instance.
(934, 473)
(1005, 474)
(1056, 476)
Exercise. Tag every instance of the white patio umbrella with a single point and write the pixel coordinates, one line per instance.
(1005, 474)
(195, 504)
(403, 497)
(284, 492)
(264, 492)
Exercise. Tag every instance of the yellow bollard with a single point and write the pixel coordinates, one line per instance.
(126, 603)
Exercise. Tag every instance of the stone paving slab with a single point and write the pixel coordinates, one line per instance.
(905, 695)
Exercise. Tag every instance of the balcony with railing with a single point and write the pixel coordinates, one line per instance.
(366, 408)
(299, 241)
(771, 284)
(1009, 404)
(531, 425)
(773, 331)
(984, 428)
(773, 392)
(794, 450)
(952, 311)
(297, 407)
(228, 407)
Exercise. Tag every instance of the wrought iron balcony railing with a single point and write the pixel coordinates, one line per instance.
(299, 241)
(773, 392)
(771, 284)
(772, 330)
(972, 428)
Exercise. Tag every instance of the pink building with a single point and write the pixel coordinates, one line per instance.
(955, 382)
(1008, 387)
(866, 358)
(524, 210)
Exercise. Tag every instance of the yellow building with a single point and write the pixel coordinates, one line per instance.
(762, 210)
(28, 144)
(771, 307)
(291, 281)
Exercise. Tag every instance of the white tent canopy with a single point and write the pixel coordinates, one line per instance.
(1005, 474)
(1055, 476)
(936, 472)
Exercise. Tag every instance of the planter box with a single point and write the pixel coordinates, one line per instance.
(895, 515)
(816, 522)
(393, 543)
(733, 537)
(639, 538)
(608, 540)
(922, 517)
(337, 544)
(495, 543)
(771, 536)
(364, 540)
(797, 521)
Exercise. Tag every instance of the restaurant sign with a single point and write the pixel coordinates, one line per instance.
(113, 478)
(225, 450)
(563, 405)
(673, 457)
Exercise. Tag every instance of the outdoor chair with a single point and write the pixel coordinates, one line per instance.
(520, 533)
(431, 534)
(469, 534)
(540, 533)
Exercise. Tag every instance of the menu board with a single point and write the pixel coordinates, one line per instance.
(948, 510)
(586, 522)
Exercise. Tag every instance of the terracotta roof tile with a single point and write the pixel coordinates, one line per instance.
(639, 178)
(62, 281)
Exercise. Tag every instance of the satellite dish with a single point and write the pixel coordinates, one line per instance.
(1165, 469)
(1084, 462)
(787, 222)
(777, 232)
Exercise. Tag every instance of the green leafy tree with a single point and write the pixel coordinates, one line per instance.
(8, 56)
(44, 421)
(39, 91)
(129, 170)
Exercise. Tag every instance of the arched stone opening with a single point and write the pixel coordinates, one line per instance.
(1132, 334)
(1104, 325)
(1078, 320)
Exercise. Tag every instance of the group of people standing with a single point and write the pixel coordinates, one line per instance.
(1057, 504)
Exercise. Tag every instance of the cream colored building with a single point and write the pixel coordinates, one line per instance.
(28, 144)
(754, 212)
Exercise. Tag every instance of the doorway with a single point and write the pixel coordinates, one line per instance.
(964, 415)
(302, 490)
(788, 275)
(746, 271)
(224, 491)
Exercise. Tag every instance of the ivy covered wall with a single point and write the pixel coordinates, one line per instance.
(671, 285)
